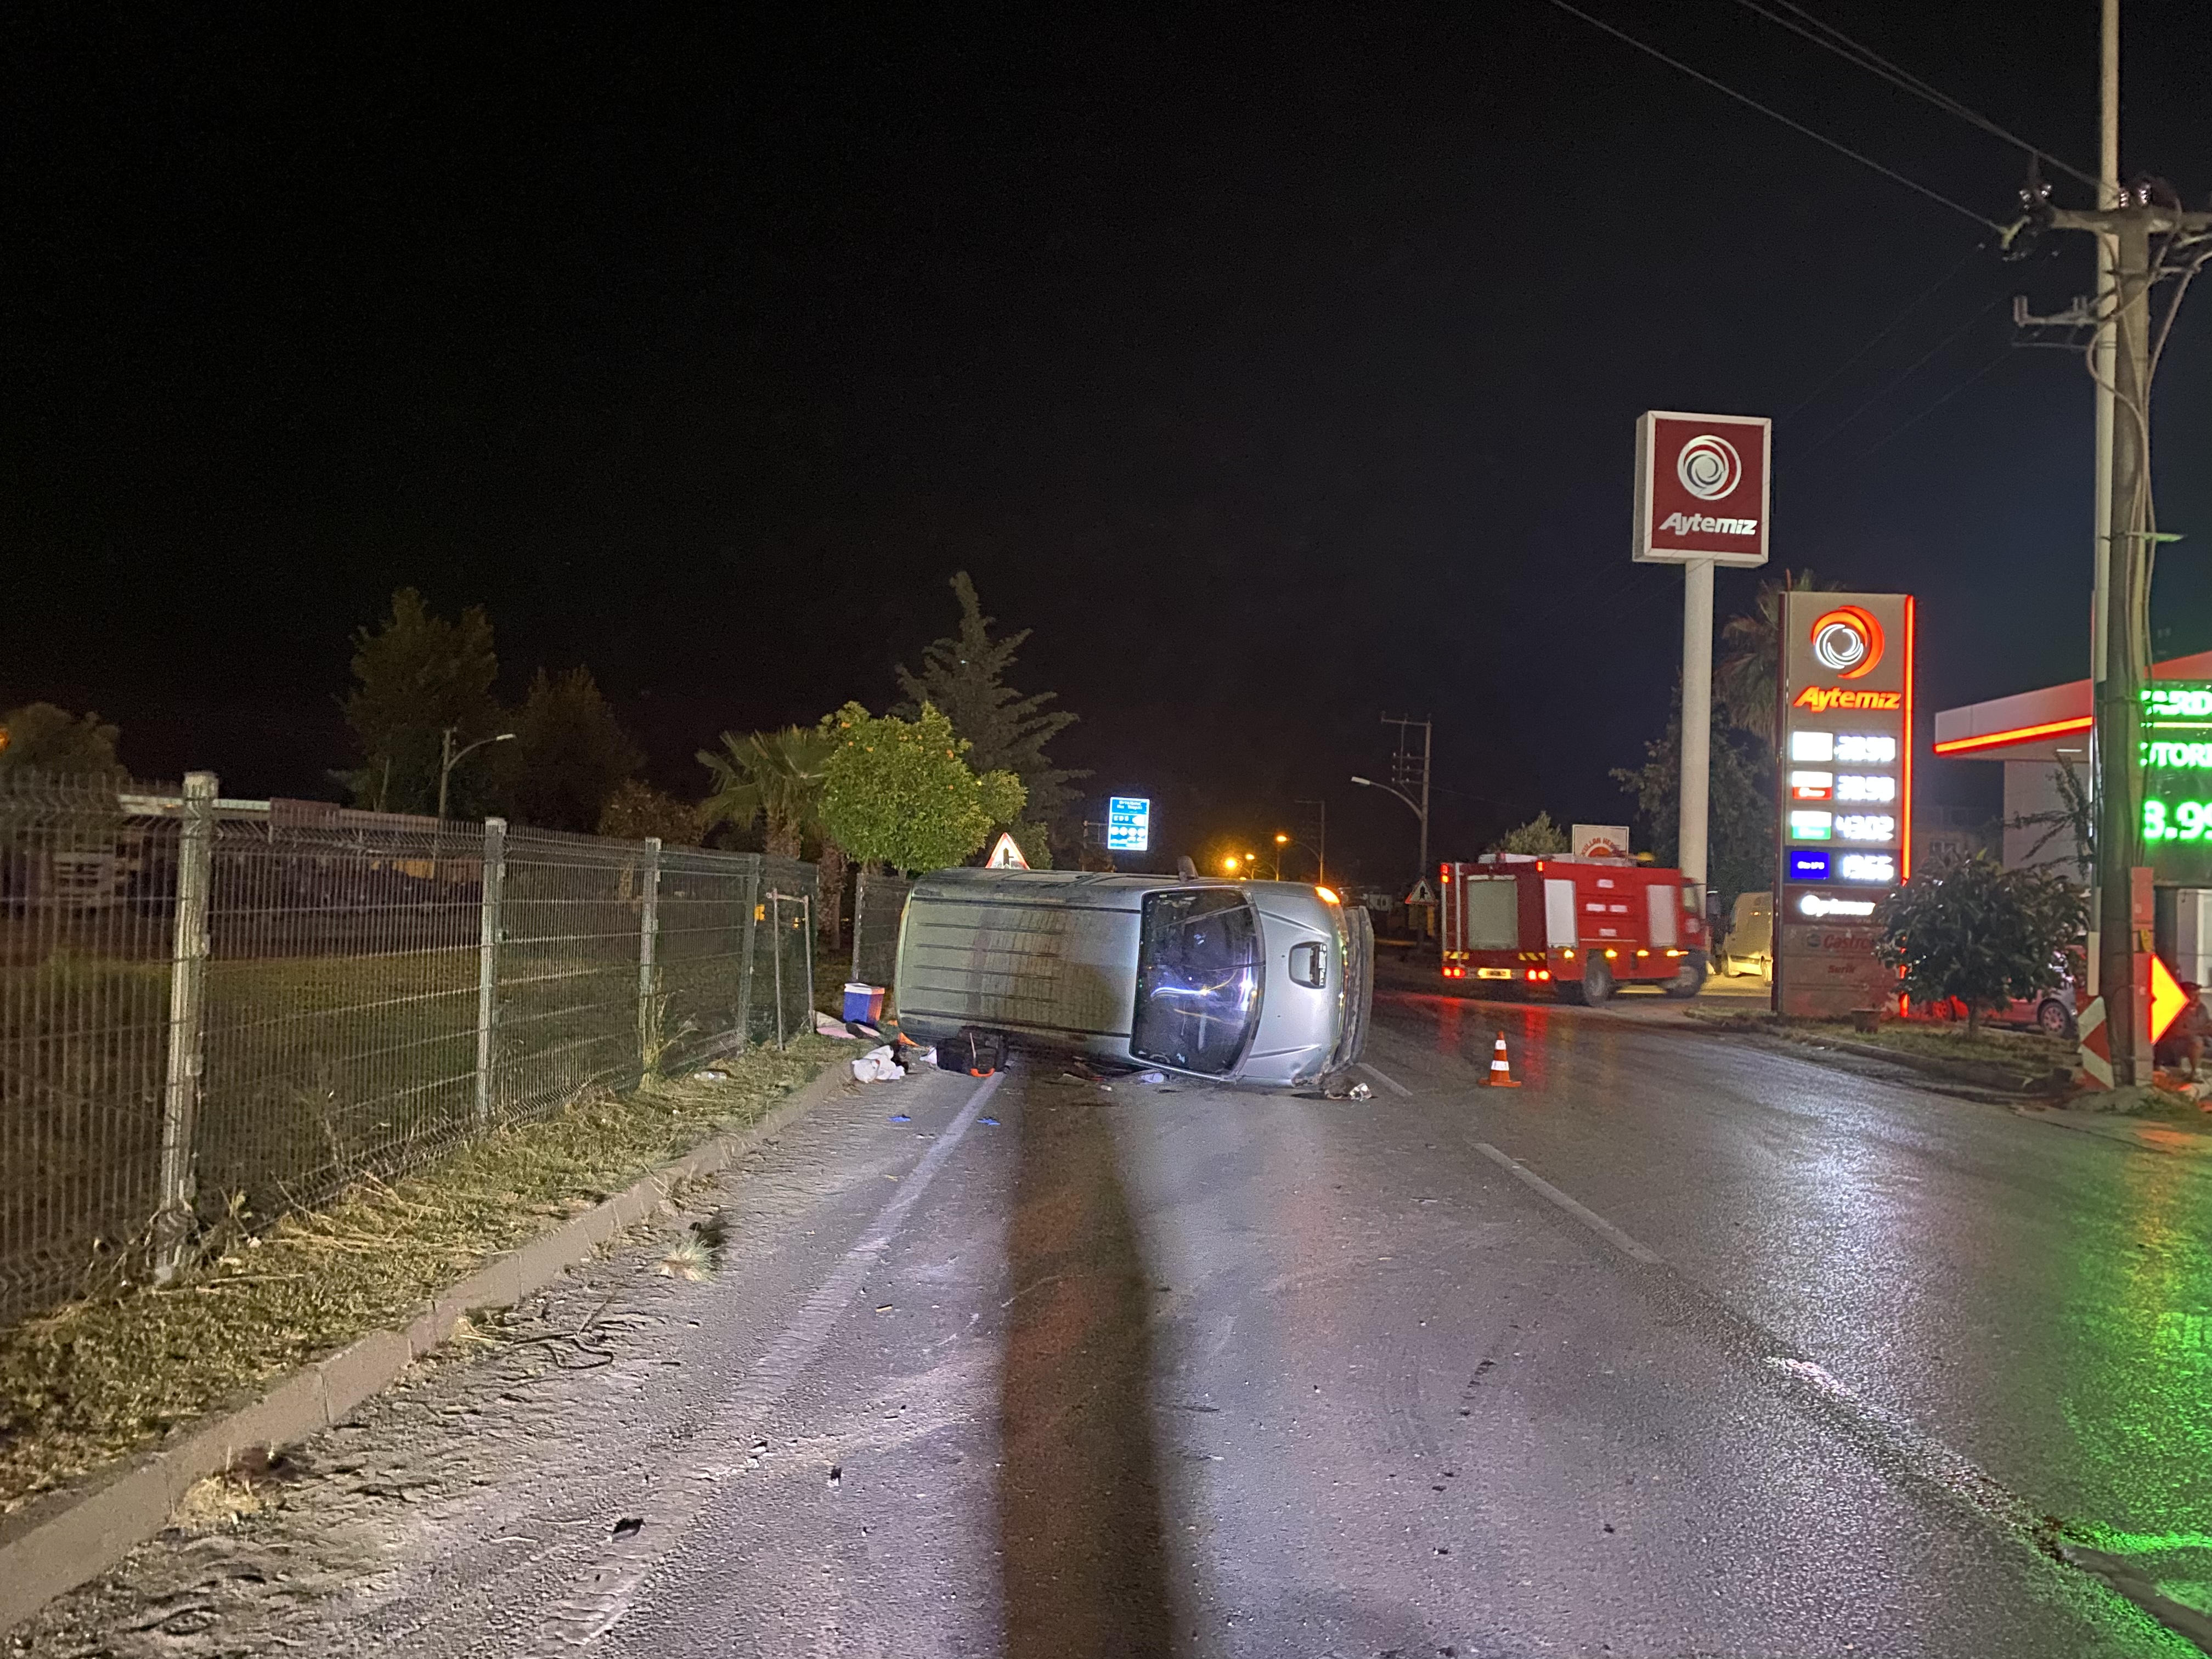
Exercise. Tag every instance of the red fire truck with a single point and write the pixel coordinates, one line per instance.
(1580, 926)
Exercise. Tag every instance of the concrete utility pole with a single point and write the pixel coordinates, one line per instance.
(2100, 360)
(2126, 230)
(1402, 774)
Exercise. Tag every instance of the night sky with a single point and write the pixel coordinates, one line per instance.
(1278, 365)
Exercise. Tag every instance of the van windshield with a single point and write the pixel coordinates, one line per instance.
(1198, 980)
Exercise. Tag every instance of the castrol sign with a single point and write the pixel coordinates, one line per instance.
(1701, 487)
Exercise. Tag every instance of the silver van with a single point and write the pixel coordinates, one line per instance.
(1254, 982)
(1749, 947)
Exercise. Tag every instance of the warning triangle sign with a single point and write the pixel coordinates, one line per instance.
(1005, 856)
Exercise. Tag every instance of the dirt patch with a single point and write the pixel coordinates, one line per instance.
(102, 1377)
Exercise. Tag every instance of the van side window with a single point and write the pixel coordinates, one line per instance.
(1198, 980)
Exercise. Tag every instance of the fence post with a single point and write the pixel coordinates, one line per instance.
(750, 927)
(188, 955)
(807, 907)
(648, 930)
(860, 917)
(494, 883)
(775, 930)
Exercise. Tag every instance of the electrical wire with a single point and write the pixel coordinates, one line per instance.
(1890, 174)
(1831, 39)
(1903, 375)
(1907, 424)
(1885, 331)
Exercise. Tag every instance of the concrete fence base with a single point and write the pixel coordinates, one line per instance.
(66, 1537)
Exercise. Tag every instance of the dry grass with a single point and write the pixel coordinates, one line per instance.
(100, 1378)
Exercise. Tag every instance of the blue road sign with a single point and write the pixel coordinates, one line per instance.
(1128, 823)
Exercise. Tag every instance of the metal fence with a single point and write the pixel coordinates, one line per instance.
(207, 1002)
(878, 903)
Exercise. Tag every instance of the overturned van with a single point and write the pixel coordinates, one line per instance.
(1254, 982)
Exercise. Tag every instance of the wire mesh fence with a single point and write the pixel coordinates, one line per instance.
(210, 1005)
(879, 902)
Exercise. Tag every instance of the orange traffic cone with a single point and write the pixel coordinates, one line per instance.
(1501, 1068)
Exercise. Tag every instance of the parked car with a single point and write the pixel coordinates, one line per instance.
(1749, 946)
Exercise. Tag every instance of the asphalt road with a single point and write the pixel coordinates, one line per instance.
(1686, 1347)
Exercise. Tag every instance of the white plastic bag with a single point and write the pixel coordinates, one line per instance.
(877, 1065)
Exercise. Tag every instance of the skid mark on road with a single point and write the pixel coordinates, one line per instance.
(611, 1586)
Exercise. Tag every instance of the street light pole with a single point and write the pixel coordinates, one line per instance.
(1321, 845)
(449, 759)
(1419, 810)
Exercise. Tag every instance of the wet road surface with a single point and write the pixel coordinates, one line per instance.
(1687, 1347)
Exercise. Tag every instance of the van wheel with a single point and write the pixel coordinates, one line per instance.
(1597, 982)
(1689, 981)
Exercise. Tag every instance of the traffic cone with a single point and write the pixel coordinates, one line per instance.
(1501, 1068)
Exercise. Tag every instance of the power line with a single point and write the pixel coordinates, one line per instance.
(1890, 174)
(1905, 374)
(1831, 39)
(1907, 425)
(1884, 332)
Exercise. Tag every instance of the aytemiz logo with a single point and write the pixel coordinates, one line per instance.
(1820, 699)
(1847, 642)
(1701, 487)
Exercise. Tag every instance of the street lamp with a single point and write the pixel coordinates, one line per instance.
(1281, 842)
(451, 758)
(1229, 865)
(1419, 812)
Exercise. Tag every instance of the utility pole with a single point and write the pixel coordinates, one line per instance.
(2124, 230)
(1320, 843)
(1409, 774)
(2100, 358)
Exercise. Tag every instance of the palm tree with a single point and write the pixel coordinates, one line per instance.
(778, 776)
(771, 775)
(1743, 678)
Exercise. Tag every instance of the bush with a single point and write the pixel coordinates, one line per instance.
(1972, 929)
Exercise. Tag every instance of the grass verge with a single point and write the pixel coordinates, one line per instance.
(100, 1378)
(2032, 1051)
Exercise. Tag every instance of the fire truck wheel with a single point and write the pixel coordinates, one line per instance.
(1689, 981)
(1597, 982)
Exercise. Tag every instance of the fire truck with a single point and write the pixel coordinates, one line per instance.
(1580, 928)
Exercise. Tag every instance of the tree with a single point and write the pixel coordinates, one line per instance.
(413, 676)
(1743, 678)
(40, 738)
(638, 811)
(1976, 931)
(569, 758)
(1739, 803)
(2075, 817)
(1539, 836)
(963, 676)
(901, 791)
(774, 776)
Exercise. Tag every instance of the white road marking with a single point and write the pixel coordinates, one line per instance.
(1581, 1212)
(611, 1587)
(1386, 1079)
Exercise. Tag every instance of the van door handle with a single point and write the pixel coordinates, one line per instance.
(1310, 964)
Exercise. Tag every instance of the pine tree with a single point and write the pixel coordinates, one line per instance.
(963, 677)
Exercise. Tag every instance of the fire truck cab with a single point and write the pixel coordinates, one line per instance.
(1580, 926)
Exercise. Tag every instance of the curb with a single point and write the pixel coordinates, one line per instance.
(65, 1537)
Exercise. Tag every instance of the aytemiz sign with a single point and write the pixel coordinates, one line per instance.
(1846, 795)
(1701, 487)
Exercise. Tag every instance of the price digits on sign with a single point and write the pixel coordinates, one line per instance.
(2188, 822)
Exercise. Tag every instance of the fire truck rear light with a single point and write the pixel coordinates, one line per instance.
(1544, 973)
(1532, 973)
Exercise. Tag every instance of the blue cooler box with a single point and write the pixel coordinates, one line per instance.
(864, 1003)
